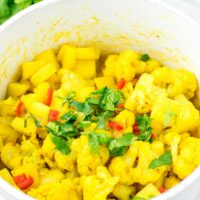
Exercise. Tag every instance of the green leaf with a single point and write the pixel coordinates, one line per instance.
(165, 159)
(97, 139)
(101, 124)
(83, 107)
(119, 146)
(61, 144)
(83, 124)
(144, 125)
(70, 96)
(168, 117)
(36, 121)
(145, 57)
(15, 8)
(4, 9)
(70, 116)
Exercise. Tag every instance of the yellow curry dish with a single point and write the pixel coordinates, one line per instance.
(81, 126)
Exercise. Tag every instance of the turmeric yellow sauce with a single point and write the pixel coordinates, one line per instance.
(81, 126)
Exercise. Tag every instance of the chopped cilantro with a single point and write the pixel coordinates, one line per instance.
(119, 146)
(145, 57)
(97, 139)
(36, 121)
(164, 159)
(83, 124)
(69, 116)
(144, 125)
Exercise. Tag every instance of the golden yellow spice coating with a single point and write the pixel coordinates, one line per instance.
(81, 126)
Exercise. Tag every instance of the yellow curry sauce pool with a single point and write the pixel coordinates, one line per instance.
(79, 127)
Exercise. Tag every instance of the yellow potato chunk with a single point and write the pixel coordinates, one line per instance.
(8, 107)
(123, 192)
(170, 182)
(19, 125)
(87, 53)
(102, 82)
(49, 57)
(48, 147)
(68, 56)
(8, 134)
(30, 68)
(110, 63)
(86, 68)
(43, 74)
(16, 89)
(41, 91)
(148, 191)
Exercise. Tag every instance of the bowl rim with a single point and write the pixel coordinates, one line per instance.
(9, 189)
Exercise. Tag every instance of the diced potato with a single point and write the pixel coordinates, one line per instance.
(85, 92)
(40, 111)
(86, 68)
(28, 99)
(110, 65)
(19, 125)
(6, 120)
(8, 134)
(1, 145)
(48, 147)
(49, 57)
(30, 68)
(28, 170)
(87, 53)
(104, 81)
(123, 192)
(43, 74)
(67, 55)
(5, 174)
(41, 90)
(16, 89)
(148, 191)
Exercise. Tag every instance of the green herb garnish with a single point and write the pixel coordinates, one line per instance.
(36, 121)
(144, 125)
(164, 159)
(145, 57)
(119, 146)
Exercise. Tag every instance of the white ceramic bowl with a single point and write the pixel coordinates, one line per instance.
(144, 25)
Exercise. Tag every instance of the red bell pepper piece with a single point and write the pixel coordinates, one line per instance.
(120, 106)
(49, 97)
(26, 183)
(162, 189)
(136, 129)
(115, 126)
(53, 115)
(19, 109)
(19, 178)
(121, 84)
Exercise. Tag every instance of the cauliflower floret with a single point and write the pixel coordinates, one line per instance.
(170, 182)
(97, 187)
(178, 81)
(144, 96)
(10, 156)
(87, 162)
(188, 159)
(66, 162)
(179, 113)
(137, 169)
(48, 148)
(8, 106)
(72, 81)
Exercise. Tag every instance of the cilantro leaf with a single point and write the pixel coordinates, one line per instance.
(101, 122)
(70, 116)
(164, 159)
(97, 139)
(70, 96)
(83, 107)
(119, 146)
(168, 117)
(61, 144)
(144, 125)
(36, 121)
(64, 130)
(83, 124)
(145, 57)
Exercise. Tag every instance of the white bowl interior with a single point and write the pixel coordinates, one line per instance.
(149, 26)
